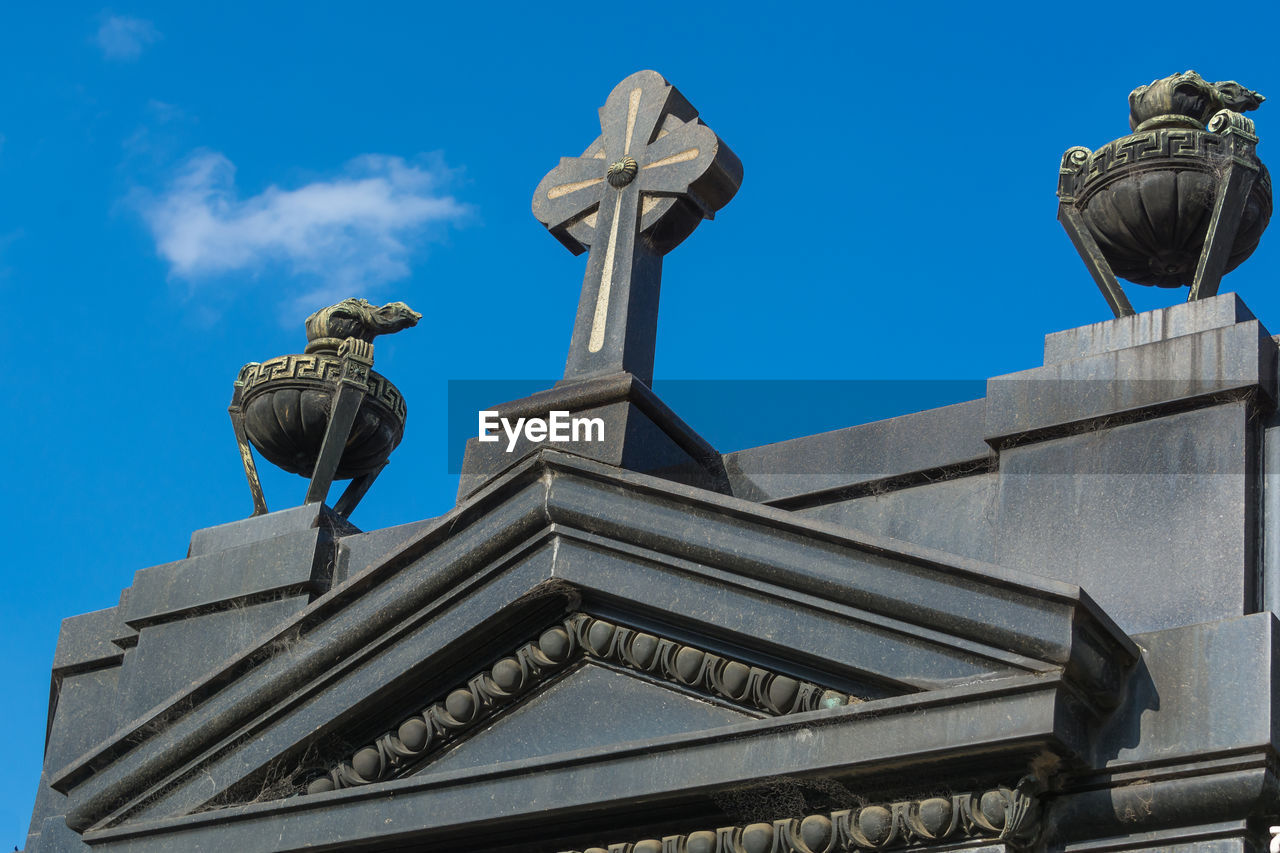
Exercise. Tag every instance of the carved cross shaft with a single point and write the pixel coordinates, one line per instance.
(654, 173)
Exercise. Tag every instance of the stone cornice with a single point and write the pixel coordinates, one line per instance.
(578, 636)
(1015, 719)
(1011, 815)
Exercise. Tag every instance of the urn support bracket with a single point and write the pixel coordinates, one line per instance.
(236, 411)
(352, 385)
(1240, 171)
(356, 490)
(1069, 177)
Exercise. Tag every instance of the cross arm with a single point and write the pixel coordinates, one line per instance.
(568, 193)
(692, 160)
(636, 109)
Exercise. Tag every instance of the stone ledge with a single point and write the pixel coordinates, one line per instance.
(641, 433)
(945, 437)
(85, 641)
(1239, 358)
(291, 562)
(1187, 318)
(262, 527)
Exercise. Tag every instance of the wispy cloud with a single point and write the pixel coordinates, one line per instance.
(343, 236)
(123, 38)
(160, 138)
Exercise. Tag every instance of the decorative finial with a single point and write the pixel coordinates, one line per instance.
(324, 414)
(654, 173)
(1180, 202)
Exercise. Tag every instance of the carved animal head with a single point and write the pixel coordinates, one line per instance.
(1233, 96)
(356, 318)
(1186, 100)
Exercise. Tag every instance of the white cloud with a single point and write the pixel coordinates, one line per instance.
(123, 38)
(344, 235)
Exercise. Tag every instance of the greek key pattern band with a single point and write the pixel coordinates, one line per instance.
(313, 369)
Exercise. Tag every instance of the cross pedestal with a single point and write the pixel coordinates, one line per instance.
(640, 434)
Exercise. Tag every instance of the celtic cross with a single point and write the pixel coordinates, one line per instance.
(653, 174)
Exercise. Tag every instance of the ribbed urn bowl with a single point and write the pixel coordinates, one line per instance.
(1148, 199)
(286, 407)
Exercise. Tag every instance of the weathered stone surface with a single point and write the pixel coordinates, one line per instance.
(818, 468)
(87, 710)
(1166, 506)
(259, 528)
(55, 837)
(174, 655)
(291, 563)
(1176, 321)
(509, 800)
(959, 516)
(1189, 749)
(179, 622)
(360, 550)
(1270, 550)
(85, 640)
(1105, 509)
(1187, 697)
(866, 580)
(1235, 359)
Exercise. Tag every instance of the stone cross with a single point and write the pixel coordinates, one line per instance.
(653, 174)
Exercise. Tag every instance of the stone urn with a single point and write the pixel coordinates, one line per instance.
(287, 407)
(1151, 205)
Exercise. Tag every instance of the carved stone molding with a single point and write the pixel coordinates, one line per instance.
(578, 635)
(304, 371)
(1011, 815)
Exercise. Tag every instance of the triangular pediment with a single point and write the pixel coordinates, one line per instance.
(900, 633)
(582, 683)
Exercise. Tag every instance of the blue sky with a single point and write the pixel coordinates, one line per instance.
(181, 184)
